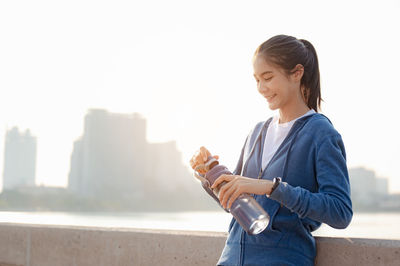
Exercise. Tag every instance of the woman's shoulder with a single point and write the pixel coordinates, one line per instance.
(320, 124)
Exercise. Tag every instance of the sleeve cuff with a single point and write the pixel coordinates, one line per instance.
(279, 192)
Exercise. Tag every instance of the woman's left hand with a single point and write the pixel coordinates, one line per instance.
(238, 185)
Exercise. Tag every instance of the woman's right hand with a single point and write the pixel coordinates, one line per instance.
(199, 158)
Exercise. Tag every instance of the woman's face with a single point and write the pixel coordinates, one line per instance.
(279, 89)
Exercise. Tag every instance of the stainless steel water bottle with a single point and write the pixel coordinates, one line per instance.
(246, 210)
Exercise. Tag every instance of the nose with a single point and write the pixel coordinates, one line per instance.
(260, 86)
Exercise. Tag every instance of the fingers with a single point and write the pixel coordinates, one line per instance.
(221, 179)
(227, 189)
(226, 192)
(204, 153)
(193, 162)
(199, 158)
(232, 198)
(229, 193)
(223, 190)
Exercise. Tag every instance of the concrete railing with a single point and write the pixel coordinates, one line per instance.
(43, 245)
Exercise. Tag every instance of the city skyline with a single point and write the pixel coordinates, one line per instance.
(113, 165)
(187, 68)
(100, 123)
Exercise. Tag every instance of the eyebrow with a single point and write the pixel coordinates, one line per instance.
(265, 72)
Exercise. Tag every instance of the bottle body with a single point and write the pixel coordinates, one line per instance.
(246, 210)
(248, 213)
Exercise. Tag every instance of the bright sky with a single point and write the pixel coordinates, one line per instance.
(186, 67)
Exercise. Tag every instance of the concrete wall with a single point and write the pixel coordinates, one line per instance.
(44, 245)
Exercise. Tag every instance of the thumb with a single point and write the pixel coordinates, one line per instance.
(216, 157)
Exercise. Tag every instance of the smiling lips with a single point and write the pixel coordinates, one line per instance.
(269, 97)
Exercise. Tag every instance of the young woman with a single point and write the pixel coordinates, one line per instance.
(294, 163)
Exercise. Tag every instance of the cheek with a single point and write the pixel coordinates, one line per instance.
(273, 86)
(279, 87)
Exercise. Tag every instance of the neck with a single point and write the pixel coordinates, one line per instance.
(292, 111)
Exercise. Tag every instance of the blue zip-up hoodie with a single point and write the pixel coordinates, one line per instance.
(315, 189)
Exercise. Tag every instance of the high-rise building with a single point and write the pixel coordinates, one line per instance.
(366, 188)
(382, 186)
(108, 160)
(19, 159)
(166, 170)
(75, 175)
(114, 163)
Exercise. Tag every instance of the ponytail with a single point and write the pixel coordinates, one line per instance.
(286, 52)
(311, 78)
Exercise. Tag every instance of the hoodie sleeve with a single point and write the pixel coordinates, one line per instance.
(332, 203)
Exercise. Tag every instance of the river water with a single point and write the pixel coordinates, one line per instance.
(363, 225)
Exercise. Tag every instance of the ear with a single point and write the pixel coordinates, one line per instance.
(298, 72)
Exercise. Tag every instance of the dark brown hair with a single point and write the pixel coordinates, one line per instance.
(286, 52)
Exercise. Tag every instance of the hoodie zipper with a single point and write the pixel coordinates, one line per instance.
(241, 258)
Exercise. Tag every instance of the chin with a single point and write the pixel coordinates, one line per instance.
(273, 107)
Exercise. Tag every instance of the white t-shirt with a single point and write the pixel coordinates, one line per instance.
(276, 133)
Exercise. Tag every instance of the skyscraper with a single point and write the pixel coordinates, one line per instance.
(112, 162)
(108, 160)
(366, 188)
(19, 159)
